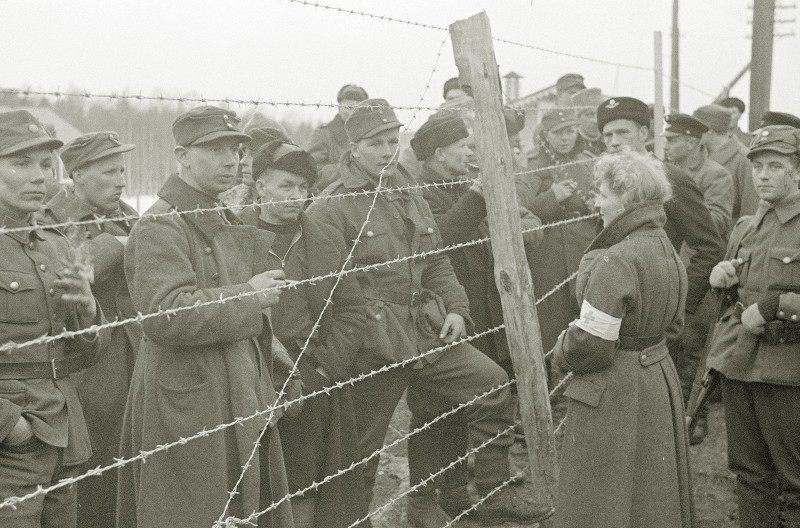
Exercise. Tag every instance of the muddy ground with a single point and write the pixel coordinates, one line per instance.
(713, 483)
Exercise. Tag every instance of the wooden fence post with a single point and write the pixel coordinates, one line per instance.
(475, 58)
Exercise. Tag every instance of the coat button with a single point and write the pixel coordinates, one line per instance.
(781, 340)
(31, 245)
(786, 260)
(14, 285)
(370, 234)
(52, 292)
(794, 317)
(215, 276)
(644, 357)
(781, 314)
(430, 230)
(207, 251)
(42, 267)
(377, 317)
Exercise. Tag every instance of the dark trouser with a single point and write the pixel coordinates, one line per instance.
(763, 422)
(692, 352)
(22, 469)
(456, 377)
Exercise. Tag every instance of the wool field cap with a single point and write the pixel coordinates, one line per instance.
(351, 92)
(263, 135)
(20, 130)
(455, 84)
(733, 102)
(569, 80)
(440, 130)
(207, 123)
(370, 117)
(628, 108)
(285, 156)
(783, 139)
(779, 118)
(683, 125)
(715, 117)
(558, 118)
(91, 147)
(588, 97)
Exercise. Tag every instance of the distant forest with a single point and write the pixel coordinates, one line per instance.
(146, 124)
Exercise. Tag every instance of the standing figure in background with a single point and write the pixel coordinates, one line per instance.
(736, 107)
(724, 148)
(44, 289)
(201, 367)
(625, 451)
(755, 345)
(568, 85)
(95, 164)
(585, 106)
(322, 439)
(329, 142)
(558, 188)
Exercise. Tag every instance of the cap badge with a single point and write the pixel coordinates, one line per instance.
(612, 104)
(113, 138)
(228, 121)
(765, 133)
(33, 128)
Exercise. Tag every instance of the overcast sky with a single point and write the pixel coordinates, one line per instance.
(273, 49)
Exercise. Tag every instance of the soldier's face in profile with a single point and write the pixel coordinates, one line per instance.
(454, 157)
(281, 186)
(378, 154)
(678, 148)
(562, 139)
(212, 166)
(101, 183)
(22, 180)
(587, 122)
(622, 133)
(775, 176)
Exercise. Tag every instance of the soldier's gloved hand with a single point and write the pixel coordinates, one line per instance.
(21, 433)
(724, 274)
(75, 283)
(269, 281)
(752, 320)
(453, 328)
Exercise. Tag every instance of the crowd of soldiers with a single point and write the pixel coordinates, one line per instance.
(262, 328)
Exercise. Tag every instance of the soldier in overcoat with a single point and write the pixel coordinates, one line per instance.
(96, 166)
(206, 366)
(625, 448)
(44, 290)
(413, 306)
(757, 339)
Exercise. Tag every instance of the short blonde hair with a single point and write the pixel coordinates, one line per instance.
(635, 177)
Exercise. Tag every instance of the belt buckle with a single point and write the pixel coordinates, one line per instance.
(738, 309)
(53, 368)
(415, 298)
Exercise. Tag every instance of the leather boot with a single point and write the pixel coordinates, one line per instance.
(507, 506)
(454, 501)
(422, 511)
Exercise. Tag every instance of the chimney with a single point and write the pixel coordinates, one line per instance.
(512, 86)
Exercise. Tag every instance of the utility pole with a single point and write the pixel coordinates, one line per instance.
(761, 59)
(675, 64)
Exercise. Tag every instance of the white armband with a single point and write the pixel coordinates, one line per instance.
(598, 323)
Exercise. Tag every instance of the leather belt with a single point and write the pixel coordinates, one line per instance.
(639, 343)
(393, 297)
(53, 369)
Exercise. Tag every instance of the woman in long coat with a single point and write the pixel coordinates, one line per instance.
(624, 453)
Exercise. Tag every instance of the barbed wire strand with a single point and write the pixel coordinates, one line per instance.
(140, 318)
(329, 300)
(233, 521)
(476, 505)
(98, 221)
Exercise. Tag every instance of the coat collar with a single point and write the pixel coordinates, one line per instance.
(784, 210)
(646, 215)
(10, 221)
(354, 177)
(729, 149)
(184, 197)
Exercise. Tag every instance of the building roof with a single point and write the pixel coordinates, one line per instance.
(546, 93)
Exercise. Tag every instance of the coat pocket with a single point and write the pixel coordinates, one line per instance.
(18, 298)
(184, 409)
(584, 390)
(375, 244)
(783, 271)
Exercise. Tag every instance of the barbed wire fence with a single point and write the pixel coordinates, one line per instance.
(345, 270)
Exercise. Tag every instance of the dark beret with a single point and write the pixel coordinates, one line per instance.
(622, 108)
(779, 118)
(90, 147)
(684, 125)
(440, 130)
(370, 117)
(206, 123)
(19, 131)
(455, 84)
(733, 102)
(351, 92)
(280, 155)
